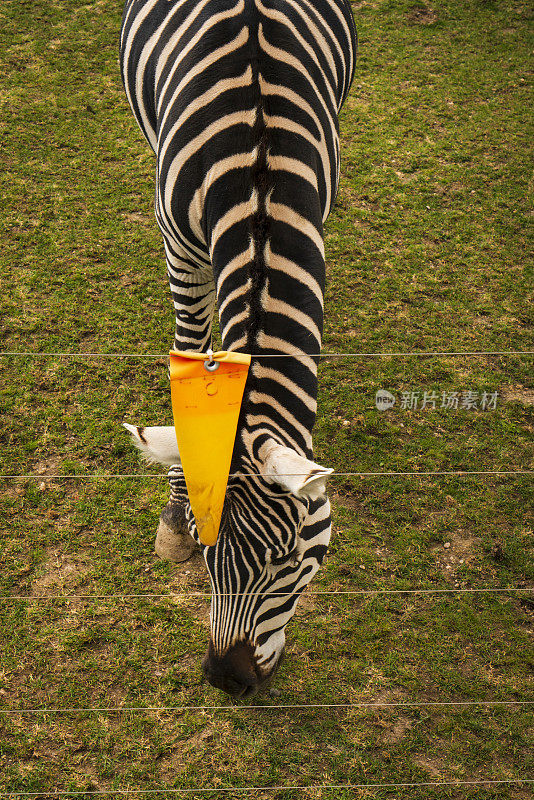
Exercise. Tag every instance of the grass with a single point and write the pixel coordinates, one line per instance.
(427, 250)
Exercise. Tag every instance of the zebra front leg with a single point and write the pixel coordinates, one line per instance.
(193, 294)
(158, 445)
(173, 541)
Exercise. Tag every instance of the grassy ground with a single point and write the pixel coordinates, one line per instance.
(427, 250)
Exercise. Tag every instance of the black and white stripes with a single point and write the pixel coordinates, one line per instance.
(239, 101)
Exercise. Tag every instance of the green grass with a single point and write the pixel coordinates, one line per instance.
(428, 249)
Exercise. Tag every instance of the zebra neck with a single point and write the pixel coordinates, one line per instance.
(272, 305)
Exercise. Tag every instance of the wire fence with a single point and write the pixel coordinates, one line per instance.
(160, 475)
(312, 592)
(297, 354)
(361, 592)
(289, 706)
(242, 708)
(287, 788)
(361, 474)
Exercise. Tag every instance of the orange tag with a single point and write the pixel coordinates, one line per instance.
(206, 405)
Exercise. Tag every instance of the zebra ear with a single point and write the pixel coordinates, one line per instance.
(158, 444)
(296, 474)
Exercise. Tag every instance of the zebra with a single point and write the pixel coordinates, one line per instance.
(239, 100)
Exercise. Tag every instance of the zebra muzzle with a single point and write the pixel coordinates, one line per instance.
(235, 671)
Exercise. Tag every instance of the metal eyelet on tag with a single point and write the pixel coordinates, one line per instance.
(210, 365)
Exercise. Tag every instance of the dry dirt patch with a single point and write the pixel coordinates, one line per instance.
(422, 15)
(60, 571)
(397, 731)
(142, 219)
(460, 548)
(47, 467)
(191, 576)
(432, 767)
(518, 394)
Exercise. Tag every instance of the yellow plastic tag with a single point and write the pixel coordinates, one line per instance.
(206, 406)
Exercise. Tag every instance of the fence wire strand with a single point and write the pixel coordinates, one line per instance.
(278, 706)
(160, 475)
(313, 592)
(288, 788)
(26, 354)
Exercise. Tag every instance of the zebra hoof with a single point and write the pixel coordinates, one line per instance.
(175, 547)
(173, 541)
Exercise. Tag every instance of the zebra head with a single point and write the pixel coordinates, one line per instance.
(273, 537)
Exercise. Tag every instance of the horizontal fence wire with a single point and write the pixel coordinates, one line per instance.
(160, 475)
(292, 706)
(311, 592)
(278, 788)
(25, 354)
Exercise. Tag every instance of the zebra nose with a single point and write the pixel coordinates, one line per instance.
(234, 671)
